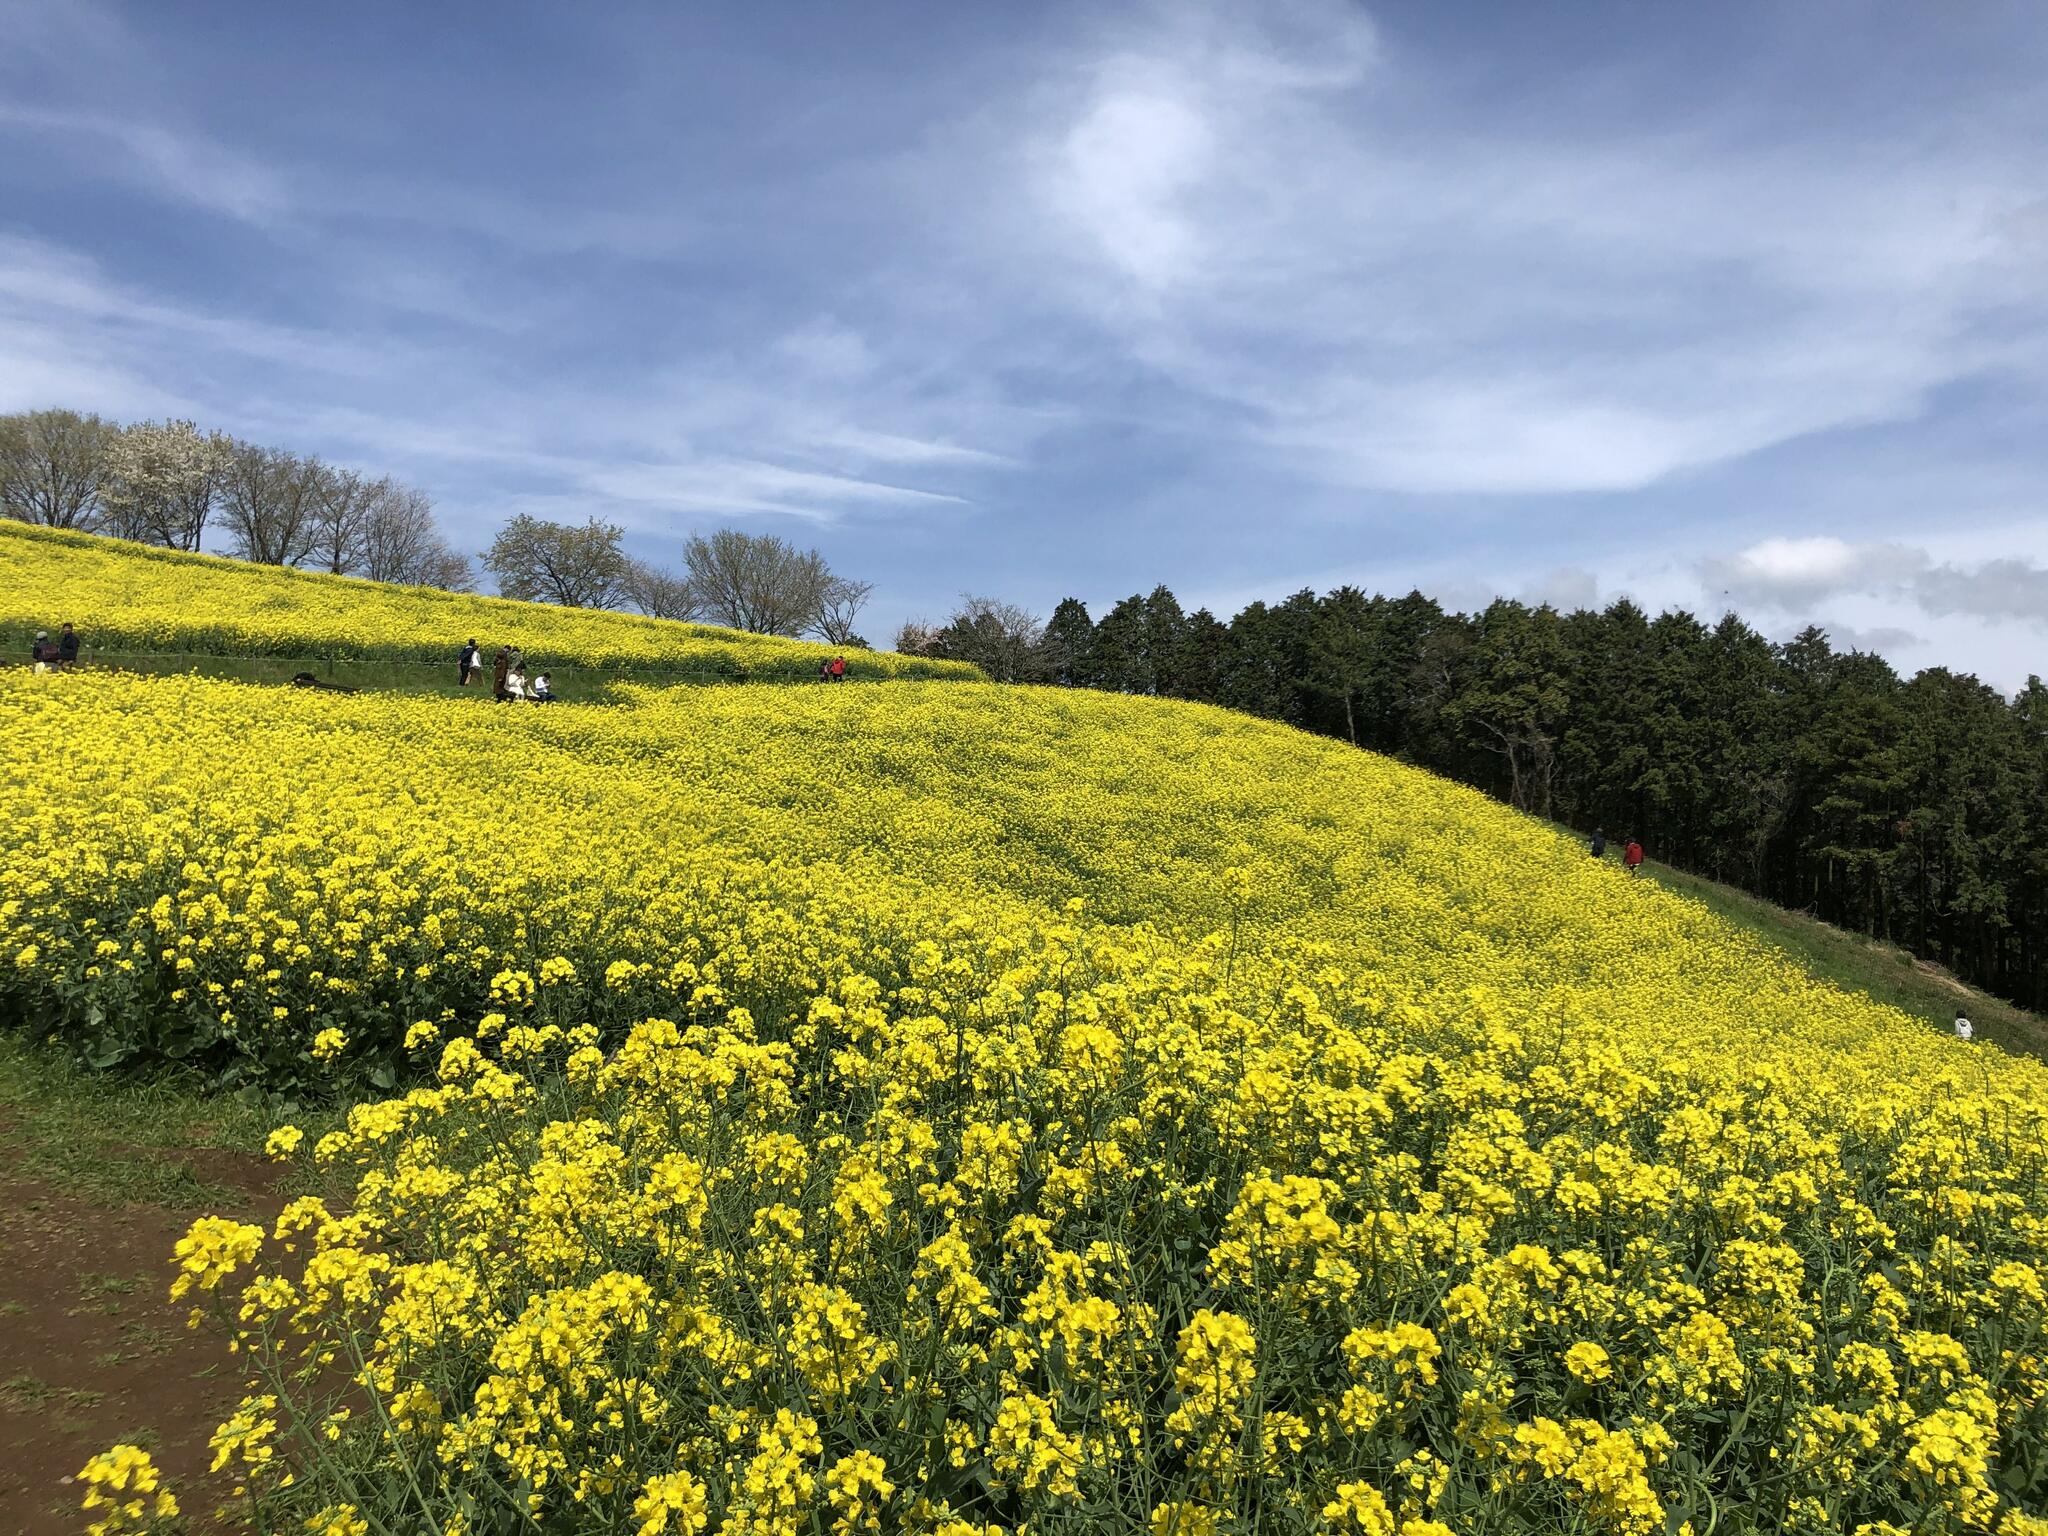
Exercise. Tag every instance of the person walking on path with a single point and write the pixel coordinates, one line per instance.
(501, 664)
(1599, 844)
(67, 647)
(1632, 857)
(42, 653)
(472, 663)
(838, 669)
(825, 669)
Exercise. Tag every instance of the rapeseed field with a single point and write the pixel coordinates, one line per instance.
(137, 598)
(952, 1109)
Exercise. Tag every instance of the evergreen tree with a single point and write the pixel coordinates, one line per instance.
(1208, 654)
(1341, 652)
(1116, 653)
(1166, 644)
(1511, 698)
(1851, 769)
(1067, 646)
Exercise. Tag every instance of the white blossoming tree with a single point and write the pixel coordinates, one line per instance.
(163, 479)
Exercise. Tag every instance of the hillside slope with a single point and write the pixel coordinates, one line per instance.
(951, 1108)
(137, 598)
(1858, 963)
(397, 834)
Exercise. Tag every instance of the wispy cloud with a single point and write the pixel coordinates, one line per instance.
(746, 487)
(180, 166)
(1525, 311)
(58, 289)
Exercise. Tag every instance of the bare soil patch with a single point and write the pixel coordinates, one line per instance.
(92, 1351)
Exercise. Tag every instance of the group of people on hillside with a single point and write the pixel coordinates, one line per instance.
(1631, 852)
(509, 683)
(62, 652)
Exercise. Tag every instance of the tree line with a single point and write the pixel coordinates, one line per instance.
(171, 483)
(1913, 809)
(740, 580)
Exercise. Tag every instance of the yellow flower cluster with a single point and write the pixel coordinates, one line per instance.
(310, 888)
(124, 1493)
(135, 597)
(957, 1110)
(915, 1262)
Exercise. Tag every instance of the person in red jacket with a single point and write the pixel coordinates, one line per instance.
(1632, 857)
(838, 669)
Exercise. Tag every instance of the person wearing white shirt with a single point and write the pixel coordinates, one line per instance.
(1963, 1029)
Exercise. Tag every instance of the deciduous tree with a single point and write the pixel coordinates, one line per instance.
(163, 480)
(402, 542)
(546, 562)
(269, 503)
(1000, 638)
(341, 519)
(53, 465)
(660, 594)
(757, 581)
(839, 606)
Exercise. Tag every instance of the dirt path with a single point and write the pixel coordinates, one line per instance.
(93, 1352)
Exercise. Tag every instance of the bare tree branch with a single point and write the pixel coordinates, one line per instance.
(660, 594)
(53, 465)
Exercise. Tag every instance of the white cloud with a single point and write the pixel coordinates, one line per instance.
(1997, 590)
(1800, 576)
(1884, 639)
(1566, 589)
(1386, 301)
(1120, 171)
(893, 448)
(827, 349)
(740, 487)
(1791, 573)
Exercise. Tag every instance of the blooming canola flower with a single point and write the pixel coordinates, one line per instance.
(140, 598)
(941, 1108)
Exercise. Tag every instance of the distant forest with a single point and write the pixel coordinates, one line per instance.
(1911, 809)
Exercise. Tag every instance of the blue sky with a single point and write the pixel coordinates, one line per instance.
(1710, 305)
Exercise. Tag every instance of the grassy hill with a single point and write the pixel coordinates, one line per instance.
(153, 609)
(947, 1107)
(1878, 970)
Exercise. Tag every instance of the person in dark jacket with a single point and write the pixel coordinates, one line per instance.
(501, 666)
(42, 653)
(1599, 844)
(472, 663)
(67, 647)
